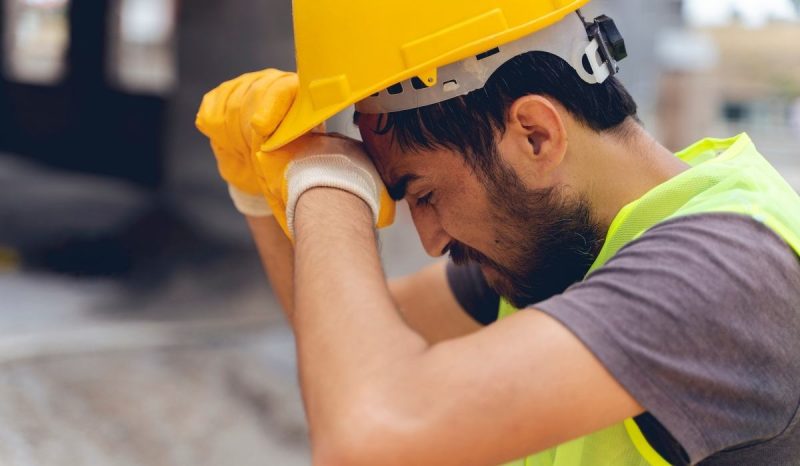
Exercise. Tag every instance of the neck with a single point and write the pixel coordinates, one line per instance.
(623, 167)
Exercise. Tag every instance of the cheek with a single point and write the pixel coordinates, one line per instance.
(497, 236)
(470, 223)
(417, 217)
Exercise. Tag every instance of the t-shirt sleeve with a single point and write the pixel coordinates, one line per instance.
(699, 319)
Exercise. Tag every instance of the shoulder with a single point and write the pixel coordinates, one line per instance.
(701, 268)
(710, 256)
(699, 319)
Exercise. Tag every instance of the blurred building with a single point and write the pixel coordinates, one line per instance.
(85, 83)
(731, 66)
(758, 77)
(98, 98)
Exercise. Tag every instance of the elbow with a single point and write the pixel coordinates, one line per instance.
(373, 430)
(355, 444)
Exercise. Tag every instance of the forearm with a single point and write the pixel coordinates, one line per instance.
(346, 323)
(277, 256)
(424, 299)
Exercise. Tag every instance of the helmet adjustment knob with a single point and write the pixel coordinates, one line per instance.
(611, 45)
(616, 44)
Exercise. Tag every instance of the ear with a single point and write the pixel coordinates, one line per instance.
(536, 130)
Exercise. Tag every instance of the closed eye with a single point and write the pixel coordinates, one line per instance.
(425, 200)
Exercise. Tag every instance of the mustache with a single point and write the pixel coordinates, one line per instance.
(461, 254)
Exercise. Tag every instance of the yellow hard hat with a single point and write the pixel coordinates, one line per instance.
(348, 51)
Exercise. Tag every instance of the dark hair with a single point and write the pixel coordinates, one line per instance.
(468, 124)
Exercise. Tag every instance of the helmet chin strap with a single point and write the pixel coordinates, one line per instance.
(592, 49)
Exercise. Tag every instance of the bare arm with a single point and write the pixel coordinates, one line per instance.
(428, 306)
(377, 393)
(424, 298)
(277, 256)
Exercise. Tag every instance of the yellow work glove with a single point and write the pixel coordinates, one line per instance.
(238, 116)
(317, 160)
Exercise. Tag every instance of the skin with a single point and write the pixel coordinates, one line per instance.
(380, 385)
(434, 314)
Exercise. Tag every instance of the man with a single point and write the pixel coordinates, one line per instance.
(661, 294)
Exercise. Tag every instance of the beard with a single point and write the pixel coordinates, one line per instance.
(546, 240)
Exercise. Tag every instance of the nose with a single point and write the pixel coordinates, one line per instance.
(432, 234)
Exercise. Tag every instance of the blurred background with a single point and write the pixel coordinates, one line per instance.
(136, 326)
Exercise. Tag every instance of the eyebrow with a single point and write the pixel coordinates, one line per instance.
(397, 190)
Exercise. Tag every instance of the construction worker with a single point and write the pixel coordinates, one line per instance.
(660, 292)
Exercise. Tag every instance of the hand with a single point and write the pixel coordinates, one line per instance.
(238, 116)
(317, 160)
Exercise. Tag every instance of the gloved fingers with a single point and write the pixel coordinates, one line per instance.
(269, 74)
(236, 102)
(245, 101)
(201, 119)
(213, 119)
(211, 116)
(212, 109)
(258, 101)
(232, 168)
(277, 98)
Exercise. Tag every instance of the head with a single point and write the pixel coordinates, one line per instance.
(491, 177)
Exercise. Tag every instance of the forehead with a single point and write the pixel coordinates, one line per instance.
(379, 145)
(438, 166)
(390, 161)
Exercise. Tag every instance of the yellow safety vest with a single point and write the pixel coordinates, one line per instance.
(726, 176)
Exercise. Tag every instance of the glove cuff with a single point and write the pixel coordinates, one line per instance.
(330, 171)
(249, 204)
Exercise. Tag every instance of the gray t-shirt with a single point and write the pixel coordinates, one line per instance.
(699, 319)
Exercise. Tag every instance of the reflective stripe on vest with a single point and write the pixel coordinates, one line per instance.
(727, 175)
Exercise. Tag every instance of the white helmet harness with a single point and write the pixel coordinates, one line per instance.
(592, 49)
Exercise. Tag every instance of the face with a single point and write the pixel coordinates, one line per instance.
(530, 244)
